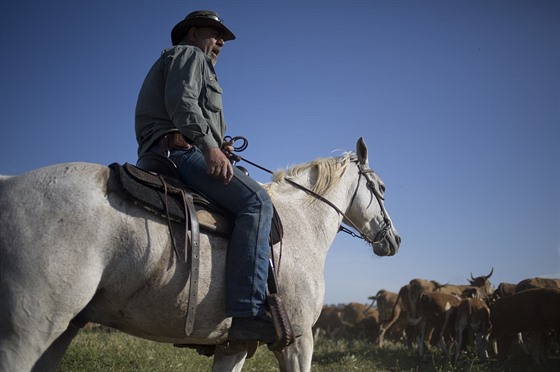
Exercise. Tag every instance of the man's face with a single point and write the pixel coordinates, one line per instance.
(210, 41)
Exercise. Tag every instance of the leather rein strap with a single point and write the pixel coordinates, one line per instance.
(371, 186)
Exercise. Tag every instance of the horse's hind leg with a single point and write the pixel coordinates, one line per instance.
(21, 348)
(33, 315)
(52, 357)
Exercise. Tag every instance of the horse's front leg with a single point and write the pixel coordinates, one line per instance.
(297, 357)
(229, 356)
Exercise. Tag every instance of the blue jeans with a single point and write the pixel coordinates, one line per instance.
(248, 251)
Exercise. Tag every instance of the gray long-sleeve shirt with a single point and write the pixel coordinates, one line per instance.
(180, 92)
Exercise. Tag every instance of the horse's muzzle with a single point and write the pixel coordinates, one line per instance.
(389, 246)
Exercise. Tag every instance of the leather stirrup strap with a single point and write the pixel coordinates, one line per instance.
(191, 225)
(166, 204)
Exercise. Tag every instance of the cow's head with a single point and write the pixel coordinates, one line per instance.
(484, 285)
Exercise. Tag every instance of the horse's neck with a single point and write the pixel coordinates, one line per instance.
(310, 217)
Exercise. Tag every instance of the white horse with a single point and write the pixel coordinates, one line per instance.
(71, 243)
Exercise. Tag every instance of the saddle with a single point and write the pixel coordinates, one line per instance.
(161, 192)
(154, 185)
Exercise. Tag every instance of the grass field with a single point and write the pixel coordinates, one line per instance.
(115, 351)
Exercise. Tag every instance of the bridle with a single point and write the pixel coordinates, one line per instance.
(371, 185)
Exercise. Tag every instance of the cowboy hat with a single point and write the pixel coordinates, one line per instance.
(199, 18)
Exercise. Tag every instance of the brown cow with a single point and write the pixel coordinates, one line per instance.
(409, 294)
(368, 328)
(435, 311)
(329, 321)
(474, 315)
(503, 290)
(537, 283)
(407, 301)
(391, 314)
(480, 285)
(532, 310)
(361, 321)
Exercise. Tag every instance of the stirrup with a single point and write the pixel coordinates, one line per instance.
(283, 329)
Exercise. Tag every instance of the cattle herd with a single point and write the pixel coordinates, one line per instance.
(458, 319)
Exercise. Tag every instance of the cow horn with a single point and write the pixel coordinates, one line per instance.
(489, 275)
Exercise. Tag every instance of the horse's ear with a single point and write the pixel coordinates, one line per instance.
(361, 151)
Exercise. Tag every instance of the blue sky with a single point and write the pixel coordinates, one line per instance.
(459, 102)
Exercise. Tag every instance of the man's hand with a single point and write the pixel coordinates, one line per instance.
(227, 148)
(219, 165)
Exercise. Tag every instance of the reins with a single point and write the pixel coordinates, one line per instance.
(380, 235)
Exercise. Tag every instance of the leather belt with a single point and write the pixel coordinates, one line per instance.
(174, 141)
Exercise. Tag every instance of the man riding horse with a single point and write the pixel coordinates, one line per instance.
(179, 114)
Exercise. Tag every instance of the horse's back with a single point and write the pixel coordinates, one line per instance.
(33, 200)
(46, 215)
(51, 177)
(47, 204)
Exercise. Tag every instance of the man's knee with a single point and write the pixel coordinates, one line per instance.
(266, 202)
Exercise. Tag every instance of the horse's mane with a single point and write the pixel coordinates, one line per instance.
(325, 173)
